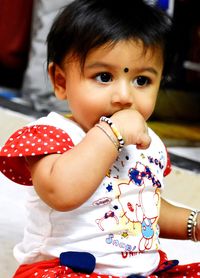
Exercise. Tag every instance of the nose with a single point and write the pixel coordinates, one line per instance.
(122, 95)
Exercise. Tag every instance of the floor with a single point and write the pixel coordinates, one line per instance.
(182, 186)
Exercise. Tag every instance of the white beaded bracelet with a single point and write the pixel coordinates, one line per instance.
(191, 225)
(114, 130)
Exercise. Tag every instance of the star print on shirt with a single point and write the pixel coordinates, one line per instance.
(109, 187)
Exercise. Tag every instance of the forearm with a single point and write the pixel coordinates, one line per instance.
(173, 221)
(66, 181)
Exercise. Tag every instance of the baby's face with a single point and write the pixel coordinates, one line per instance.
(112, 79)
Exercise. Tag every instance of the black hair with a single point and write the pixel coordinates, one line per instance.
(84, 25)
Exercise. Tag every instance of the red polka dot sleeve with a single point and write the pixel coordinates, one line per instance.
(31, 141)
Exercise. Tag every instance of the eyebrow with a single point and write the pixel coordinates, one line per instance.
(110, 66)
(149, 69)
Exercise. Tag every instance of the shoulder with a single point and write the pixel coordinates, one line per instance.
(63, 123)
(47, 135)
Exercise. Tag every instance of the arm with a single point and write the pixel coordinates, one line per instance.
(66, 181)
(173, 221)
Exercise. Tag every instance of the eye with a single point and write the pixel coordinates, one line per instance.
(141, 81)
(104, 77)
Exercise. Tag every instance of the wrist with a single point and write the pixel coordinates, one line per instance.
(106, 130)
(115, 131)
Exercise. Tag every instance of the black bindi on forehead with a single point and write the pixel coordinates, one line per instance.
(126, 70)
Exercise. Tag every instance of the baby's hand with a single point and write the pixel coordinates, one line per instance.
(132, 127)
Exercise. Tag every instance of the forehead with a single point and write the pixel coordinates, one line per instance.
(124, 53)
(127, 51)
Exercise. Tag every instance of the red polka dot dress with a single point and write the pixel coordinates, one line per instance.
(52, 269)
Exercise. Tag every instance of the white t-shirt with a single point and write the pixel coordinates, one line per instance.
(117, 224)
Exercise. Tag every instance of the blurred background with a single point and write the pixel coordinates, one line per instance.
(26, 94)
(25, 87)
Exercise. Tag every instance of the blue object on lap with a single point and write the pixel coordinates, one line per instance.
(163, 4)
(82, 262)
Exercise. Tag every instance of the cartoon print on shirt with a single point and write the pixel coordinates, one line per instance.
(128, 207)
(102, 201)
(143, 178)
(122, 163)
(109, 214)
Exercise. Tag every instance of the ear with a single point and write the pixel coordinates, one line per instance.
(58, 80)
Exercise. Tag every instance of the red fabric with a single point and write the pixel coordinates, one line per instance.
(52, 269)
(31, 141)
(168, 168)
(15, 30)
(179, 271)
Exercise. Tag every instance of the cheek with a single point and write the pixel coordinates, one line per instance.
(147, 107)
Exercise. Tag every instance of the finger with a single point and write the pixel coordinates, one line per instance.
(144, 142)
